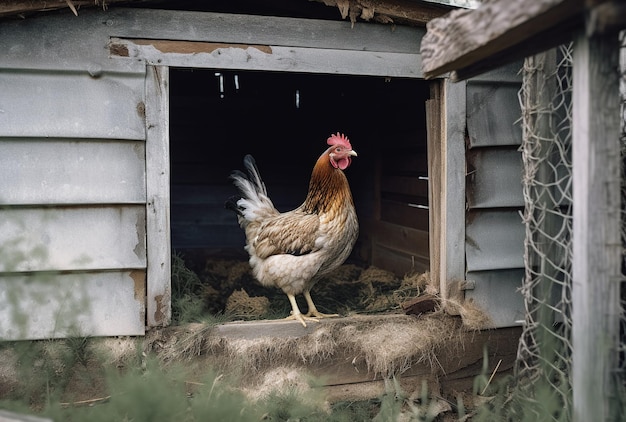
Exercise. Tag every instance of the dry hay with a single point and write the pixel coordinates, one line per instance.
(282, 379)
(241, 305)
(474, 318)
(386, 346)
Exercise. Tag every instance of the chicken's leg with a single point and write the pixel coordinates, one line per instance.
(295, 311)
(313, 312)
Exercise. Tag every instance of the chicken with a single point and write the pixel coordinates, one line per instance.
(293, 250)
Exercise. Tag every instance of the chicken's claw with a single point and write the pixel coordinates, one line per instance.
(302, 318)
(317, 314)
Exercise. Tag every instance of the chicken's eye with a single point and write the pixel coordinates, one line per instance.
(338, 149)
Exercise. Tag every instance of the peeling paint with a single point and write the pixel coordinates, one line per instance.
(139, 280)
(140, 226)
(194, 47)
(120, 50)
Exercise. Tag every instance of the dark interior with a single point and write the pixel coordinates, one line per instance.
(283, 120)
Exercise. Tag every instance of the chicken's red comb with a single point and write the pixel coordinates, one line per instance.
(339, 139)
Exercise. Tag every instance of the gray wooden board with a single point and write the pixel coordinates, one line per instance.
(453, 195)
(265, 30)
(62, 41)
(294, 59)
(72, 238)
(494, 240)
(81, 40)
(65, 171)
(53, 305)
(71, 105)
(493, 112)
(494, 178)
(497, 294)
(158, 240)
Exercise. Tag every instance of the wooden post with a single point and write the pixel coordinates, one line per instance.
(452, 257)
(596, 239)
(158, 289)
(434, 144)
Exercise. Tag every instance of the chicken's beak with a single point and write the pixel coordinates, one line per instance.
(352, 152)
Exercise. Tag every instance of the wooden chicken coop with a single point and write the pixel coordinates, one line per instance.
(119, 128)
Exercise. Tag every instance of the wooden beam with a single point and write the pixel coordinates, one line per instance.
(597, 246)
(471, 38)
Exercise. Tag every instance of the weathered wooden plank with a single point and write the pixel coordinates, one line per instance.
(55, 305)
(261, 30)
(62, 41)
(464, 37)
(271, 58)
(72, 238)
(597, 247)
(453, 190)
(158, 197)
(64, 171)
(494, 240)
(484, 102)
(435, 180)
(497, 294)
(72, 105)
(494, 178)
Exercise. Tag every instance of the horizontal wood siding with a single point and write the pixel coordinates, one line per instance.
(73, 198)
(493, 114)
(494, 178)
(497, 293)
(69, 171)
(41, 306)
(72, 238)
(69, 104)
(494, 240)
(494, 235)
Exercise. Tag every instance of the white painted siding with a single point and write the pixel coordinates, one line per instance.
(94, 171)
(71, 104)
(73, 193)
(48, 305)
(72, 238)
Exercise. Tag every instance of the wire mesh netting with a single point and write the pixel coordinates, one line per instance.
(544, 353)
(544, 363)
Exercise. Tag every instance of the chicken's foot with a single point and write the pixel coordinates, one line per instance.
(313, 312)
(296, 314)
